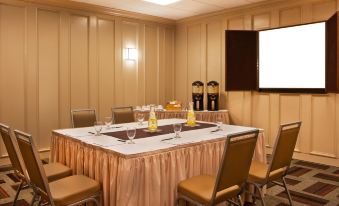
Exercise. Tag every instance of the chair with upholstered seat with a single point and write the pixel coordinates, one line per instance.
(72, 190)
(260, 174)
(54, 171)
(83, 117)
(122, 115)
(231, 177)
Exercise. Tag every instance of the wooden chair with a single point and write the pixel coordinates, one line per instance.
(54, 171)
(122, 115)
(83, 117)
(72, 190)
(231, 177)
(260, 174)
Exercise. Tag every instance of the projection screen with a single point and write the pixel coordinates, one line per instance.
(292, 57)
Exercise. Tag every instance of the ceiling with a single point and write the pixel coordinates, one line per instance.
(175, 11)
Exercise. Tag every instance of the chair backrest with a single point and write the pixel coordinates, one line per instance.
(284, 148)
(236, 160)
(83, 117)
(12, 149)
(122, 115)
(36, 173)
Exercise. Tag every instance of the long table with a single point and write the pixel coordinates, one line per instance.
(208, 116)
(147, 172)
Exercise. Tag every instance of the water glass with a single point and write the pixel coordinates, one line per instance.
(140, 118)
(97, 127)
(108, 122)
(219, 123)
(131, 131)
(177, 129)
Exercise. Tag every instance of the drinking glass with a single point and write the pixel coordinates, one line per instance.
(98, 127)
(108, 122)
(219, 123)
(131, 131)
(177, 129)
(140, 118)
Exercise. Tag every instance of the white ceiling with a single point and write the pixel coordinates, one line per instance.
(175, 11)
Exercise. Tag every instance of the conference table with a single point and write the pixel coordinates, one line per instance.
(147, 172)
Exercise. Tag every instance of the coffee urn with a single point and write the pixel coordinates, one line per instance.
(212, 96)
(198, 95)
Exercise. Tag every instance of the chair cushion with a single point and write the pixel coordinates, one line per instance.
(200, 189)
(73, 189)
(258, 173)
(55, 171)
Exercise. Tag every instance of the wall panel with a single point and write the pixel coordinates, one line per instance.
(213, 53)
(290, 110)
(194, 56)
(106, 66)
(48, 68)
(169, 64)
(290, 16)
(12, 67)
(181, 85)
(130, 67)
(261, 21)
(79, 61)
(152, 65)
(323, 125)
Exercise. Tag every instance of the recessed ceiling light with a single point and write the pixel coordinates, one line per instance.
(162, 2)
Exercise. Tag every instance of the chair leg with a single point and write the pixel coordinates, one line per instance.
(254, 197)
(33, 199)
(260, 194)
(240, 201)
(288, 192)
(17, 192)
(39, 201)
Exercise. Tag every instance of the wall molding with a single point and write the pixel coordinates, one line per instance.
(67, 4)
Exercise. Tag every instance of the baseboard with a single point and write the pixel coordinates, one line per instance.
(312, 158)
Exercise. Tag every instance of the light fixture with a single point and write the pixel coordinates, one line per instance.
(130, 54)
(162, 2)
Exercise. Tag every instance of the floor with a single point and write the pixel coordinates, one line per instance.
(309, 183)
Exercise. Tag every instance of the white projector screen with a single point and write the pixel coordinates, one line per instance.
(292, 57)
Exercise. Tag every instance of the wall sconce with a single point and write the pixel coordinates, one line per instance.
(130, 54)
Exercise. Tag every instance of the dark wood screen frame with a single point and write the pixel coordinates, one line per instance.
(241, 57)
(332, 67)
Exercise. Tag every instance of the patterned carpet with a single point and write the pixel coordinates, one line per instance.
(309, 183)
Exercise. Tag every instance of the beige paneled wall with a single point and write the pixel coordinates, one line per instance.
(200, 55)
(54, 59)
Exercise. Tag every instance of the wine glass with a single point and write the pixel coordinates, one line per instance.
(131, 131)
(177, 129)
(219, 123)
(108, 122)
(140, 118)
(97, 128)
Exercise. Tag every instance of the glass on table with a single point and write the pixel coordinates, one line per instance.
(108, 122)
(218, 122)
(177, 129)
(131, 131)
(97, 128)
(140, 118)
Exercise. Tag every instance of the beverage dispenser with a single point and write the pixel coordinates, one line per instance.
(213, 96)
(198, 95)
